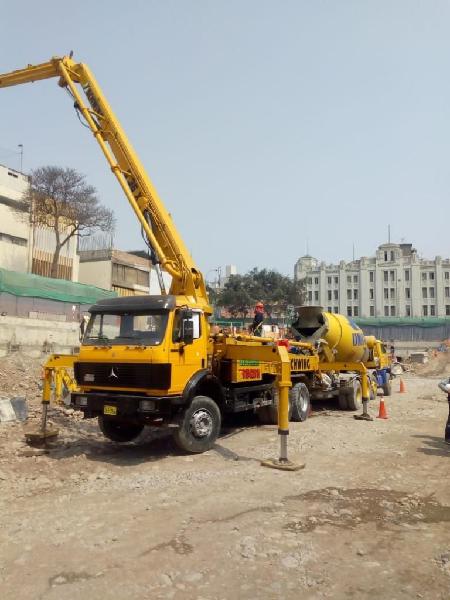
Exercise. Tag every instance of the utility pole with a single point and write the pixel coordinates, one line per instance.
(20, 146)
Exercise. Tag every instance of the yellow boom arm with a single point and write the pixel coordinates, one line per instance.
(168, 249)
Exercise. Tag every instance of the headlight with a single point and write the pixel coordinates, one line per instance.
(81, 400)
(146, 405)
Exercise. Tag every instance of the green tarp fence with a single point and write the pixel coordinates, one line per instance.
(425, 322)
(35, 286)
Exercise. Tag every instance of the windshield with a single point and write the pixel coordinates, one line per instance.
(146, 328)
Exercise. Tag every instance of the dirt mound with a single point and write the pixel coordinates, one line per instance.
(437, 365)
(20, 375)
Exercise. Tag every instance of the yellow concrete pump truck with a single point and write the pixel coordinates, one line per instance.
(151, 360)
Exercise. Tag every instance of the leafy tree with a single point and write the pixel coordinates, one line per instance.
(277, 292)
(61, 199)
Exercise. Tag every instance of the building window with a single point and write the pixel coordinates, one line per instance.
(336, 309)
(432, 310)
(310, 296)
(329, 309)
(349, 294)
(392, 293)
(407, 275)
(372, 311)
(424, 276)
(424, 292)
(425, 310)
(431, 292)
(336, 280)
(355, 294)
(349, 278)
(408, 293)
(371, 293)
(355, 311)
(336, 294)
(408, 310)
(316, 280)
(392, 275)
(385, 256)
(386, 275)
(386, 293)
(329, 295)
(316, 296)
(447, 275)
(13, 239)
(371, 276)
(431, 275)
(447, 309)
(386, 311)
(447, 292)
(392, 311)
(349, 311)
(329, 280)
(309, 280)
(392, 255)
(355, 278)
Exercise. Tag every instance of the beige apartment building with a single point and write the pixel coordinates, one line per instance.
(395, 282)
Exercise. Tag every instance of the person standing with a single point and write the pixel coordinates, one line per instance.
(258, 319)
(445, 387)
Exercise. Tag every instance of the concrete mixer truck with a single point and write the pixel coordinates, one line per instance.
(346, 356)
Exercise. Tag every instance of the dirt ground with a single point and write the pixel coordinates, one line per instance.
(368, 516)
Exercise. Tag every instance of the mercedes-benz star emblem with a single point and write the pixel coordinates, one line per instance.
(113, 374)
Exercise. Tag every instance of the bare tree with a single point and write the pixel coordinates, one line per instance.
(61, 199)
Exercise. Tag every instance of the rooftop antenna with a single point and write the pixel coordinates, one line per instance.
(307, 247)
(389, 234)
(353, 251)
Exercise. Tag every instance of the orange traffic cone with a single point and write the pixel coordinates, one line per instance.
(382, 413)
(402, 388)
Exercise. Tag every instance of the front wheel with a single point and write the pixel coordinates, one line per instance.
(118, 431)
(198, 426)
(299, 402)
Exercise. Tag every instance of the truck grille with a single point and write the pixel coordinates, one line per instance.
(123, 375)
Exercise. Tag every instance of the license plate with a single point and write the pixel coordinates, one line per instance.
(109, 410)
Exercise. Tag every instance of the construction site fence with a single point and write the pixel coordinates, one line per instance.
(40, 308)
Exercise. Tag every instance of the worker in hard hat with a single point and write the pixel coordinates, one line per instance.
(445, 387)
(258, 319)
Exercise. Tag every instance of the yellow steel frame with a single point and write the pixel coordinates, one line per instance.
(165, 240)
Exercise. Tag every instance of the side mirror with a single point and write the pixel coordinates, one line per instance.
(187, 330)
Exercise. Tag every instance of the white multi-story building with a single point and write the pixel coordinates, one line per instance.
(15, 231)
(25, 248)
(395, 282)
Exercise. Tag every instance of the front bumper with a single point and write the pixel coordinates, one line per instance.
(142, 409)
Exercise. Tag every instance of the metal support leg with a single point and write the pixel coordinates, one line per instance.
(283, 463)
(365, 413)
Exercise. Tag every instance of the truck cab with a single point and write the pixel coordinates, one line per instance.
(138, 360)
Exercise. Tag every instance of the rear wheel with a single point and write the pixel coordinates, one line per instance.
(268, 414)
(118, 431)
(199, 426)
(350, 397)
(387, 387)
(299, 402)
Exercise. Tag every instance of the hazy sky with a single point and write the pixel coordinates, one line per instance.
(266, 126)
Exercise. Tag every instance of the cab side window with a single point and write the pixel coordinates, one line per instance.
(176, 332)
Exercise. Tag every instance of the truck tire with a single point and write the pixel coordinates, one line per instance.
(198, 426)
(387, 387)
(354, 398)
(299, 402)
(118, 431)
(342, 398)
(350, 397)
(268, 414)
